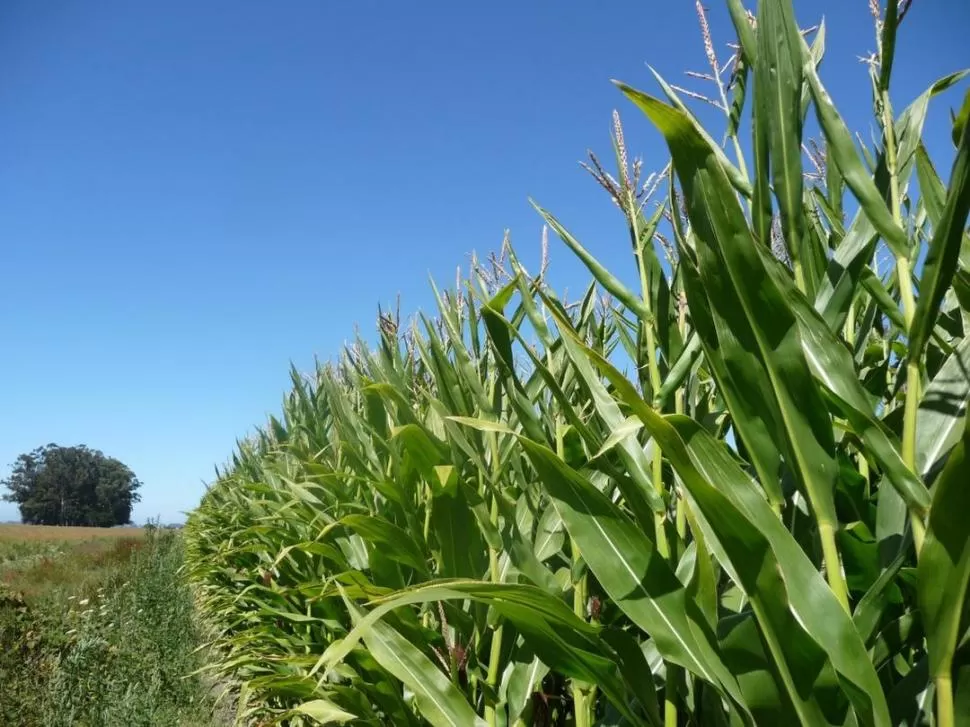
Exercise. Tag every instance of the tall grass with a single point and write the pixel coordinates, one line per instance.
(484, 520)
(106, 637)
(132, 648)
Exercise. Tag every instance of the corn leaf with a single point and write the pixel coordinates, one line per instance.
(943, 254)
(699, 460)
(736, 177)
(944, 566)
(842, 152)
(437, 698)
(832, 365)
(732, 270)
(616, 288)
(741, 381)
(631, 571)
(559, 637)
(943, 409)
(778, 84)
(324, 712)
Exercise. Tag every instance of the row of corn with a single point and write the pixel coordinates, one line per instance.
(732, 491)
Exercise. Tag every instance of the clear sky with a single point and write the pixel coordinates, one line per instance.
(194, 194)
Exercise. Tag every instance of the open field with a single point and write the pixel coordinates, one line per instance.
(17, 532)
(38, 560)
(96, 628)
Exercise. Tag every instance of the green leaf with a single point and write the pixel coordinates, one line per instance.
(498, 335)
(558, 637)
(832, 365)
(520, 680)
(960, 124)
(873, 604)
(461, 548)
(739, 87)
(736, 177)
(438, 700)
(838, 286)
(522, 552)
(746, 35)
(324, 712)
(482, 425)
(631, 571)
(909, 126)
(744, 651)
(446, 479)
(881, 297)
(888, 45)
(702, 587)
(634, 458)
(391, 540)
(700, 460)
(943, 574)
(463, 366)
(842, 152)
(815, 55)
(824, 206)
(778, 88)
(943, 254)
(603, 276)
(910, 699)
(741, 381)
(549, 535)
(731, 270)
(943, 409)
(800, 619)
(627, 428)
(761, 209)
(425, 451)
(636, 485)
(689, 356)
(931, 187)
(895, 638)
(636, 671)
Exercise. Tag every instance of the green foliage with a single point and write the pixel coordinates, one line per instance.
(113, 646)
(25, 663)
(732, 495)
(72, 486)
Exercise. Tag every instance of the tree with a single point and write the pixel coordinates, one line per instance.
(56, 485)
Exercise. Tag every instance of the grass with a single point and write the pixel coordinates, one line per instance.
(40, 561)
(97, 628)
(16, 533)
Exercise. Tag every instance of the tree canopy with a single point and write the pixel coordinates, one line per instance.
(79, 486)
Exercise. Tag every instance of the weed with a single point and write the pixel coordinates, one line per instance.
(100, 634)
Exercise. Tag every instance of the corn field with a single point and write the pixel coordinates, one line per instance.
(734, 493)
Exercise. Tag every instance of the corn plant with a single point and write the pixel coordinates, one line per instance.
(732, 493)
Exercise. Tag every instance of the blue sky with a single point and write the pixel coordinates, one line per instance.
(192, 195)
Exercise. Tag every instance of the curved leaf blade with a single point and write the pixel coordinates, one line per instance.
(944, 566)
(778, 89)
(943, 254)
(843, 153)
(437, 698)
(817, 609)
(731, 269)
